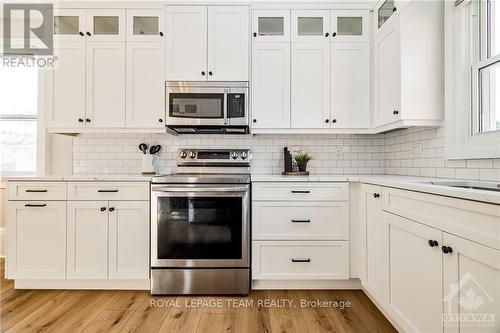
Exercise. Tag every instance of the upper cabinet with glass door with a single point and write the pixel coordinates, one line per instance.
(105, 25)
(310, 25)
(385, 12)
(69, 24)
(145, 25)
(350, 26)
(271, 25)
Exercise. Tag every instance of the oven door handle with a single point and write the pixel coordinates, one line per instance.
(225, 107)
(201, 189)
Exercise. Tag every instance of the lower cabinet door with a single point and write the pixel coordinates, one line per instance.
(300, 260)
(36, 239)
(87, 240)
(413, 272)
(128, 240)
(471, 286)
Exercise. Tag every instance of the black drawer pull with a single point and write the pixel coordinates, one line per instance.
(301, 221)
(303, 192)
(301, 260)
(35, 205)
(107, 191)
(36, 191)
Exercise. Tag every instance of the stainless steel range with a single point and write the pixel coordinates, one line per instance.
(200, 224)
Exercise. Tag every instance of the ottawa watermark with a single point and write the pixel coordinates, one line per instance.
(28, 35)
(248, 303)
(467, 304)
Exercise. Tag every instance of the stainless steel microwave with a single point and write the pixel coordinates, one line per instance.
(207, 107)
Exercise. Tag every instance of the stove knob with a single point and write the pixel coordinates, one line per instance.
(234, 155)
(183, 154)
(244, 155)
(192, 154)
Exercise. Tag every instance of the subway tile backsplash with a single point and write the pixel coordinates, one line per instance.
(412, 152)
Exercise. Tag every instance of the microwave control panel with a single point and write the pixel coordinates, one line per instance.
(235, 105)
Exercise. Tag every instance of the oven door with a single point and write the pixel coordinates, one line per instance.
(196, 106)
(200, 226)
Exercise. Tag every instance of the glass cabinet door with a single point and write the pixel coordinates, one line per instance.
(385, 11)
(145, 25)
(310, 25)
(106, 24)
(350, 25)
(271, 25)
(69, 24)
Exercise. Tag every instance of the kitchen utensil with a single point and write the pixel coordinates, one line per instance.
(144, 148)
(154, 149)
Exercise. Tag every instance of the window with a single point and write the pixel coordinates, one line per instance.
(18, 119)
(486, 70)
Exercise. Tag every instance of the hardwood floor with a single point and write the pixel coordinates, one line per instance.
(137, 311)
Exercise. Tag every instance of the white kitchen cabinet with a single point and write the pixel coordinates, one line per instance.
(128, 240)
(271, 26)
(36, 239)
(310, 26)
(105, 25)
(186, 43)
(271, 85)
(105, 82)
(471, 286)
(145, 25)
(350, 26)
(350, 85)
(228, 43)
(371, 234)
(70, 25)
(413, 274)
(67, 82)
(87, 243)
(145, 80)
(310, 85)
(408, 65)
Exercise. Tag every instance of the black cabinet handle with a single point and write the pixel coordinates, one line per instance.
(203, 73)
(327, 121)
(433, 243)
(255, 120)
(301, 221)
(36, 191)
(107, 191)
(395, 112)
(303, 192)
(376, 195)
(80, 120)
(334, 121)
(89, 34)
(111, 209)
(87, 120)
(81, 33)
(160, 120)
(255, 34)
(161, 34)
(394, 9)
(35, 205)
(446, 249)
(301, 260)
(103, 209)
(327, 34)
(334, 34)
(210, 73)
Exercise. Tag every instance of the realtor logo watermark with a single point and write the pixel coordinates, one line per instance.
(467, 304)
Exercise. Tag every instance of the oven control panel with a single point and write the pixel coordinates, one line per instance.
(213, 156)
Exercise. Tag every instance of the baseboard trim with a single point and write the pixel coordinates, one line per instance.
(142, 284)
(306, 284)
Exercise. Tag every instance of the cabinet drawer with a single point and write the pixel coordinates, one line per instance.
(300, 191)
(300, 220)
(108, 191)
(472, 220)
(300, 260)
(37, 191)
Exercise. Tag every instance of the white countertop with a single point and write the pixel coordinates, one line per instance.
(420, 184)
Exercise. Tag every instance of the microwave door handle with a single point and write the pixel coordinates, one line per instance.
(225, 107)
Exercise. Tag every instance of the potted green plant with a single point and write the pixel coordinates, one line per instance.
(302, 159)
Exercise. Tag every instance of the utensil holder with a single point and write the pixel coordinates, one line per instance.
(149, 164)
